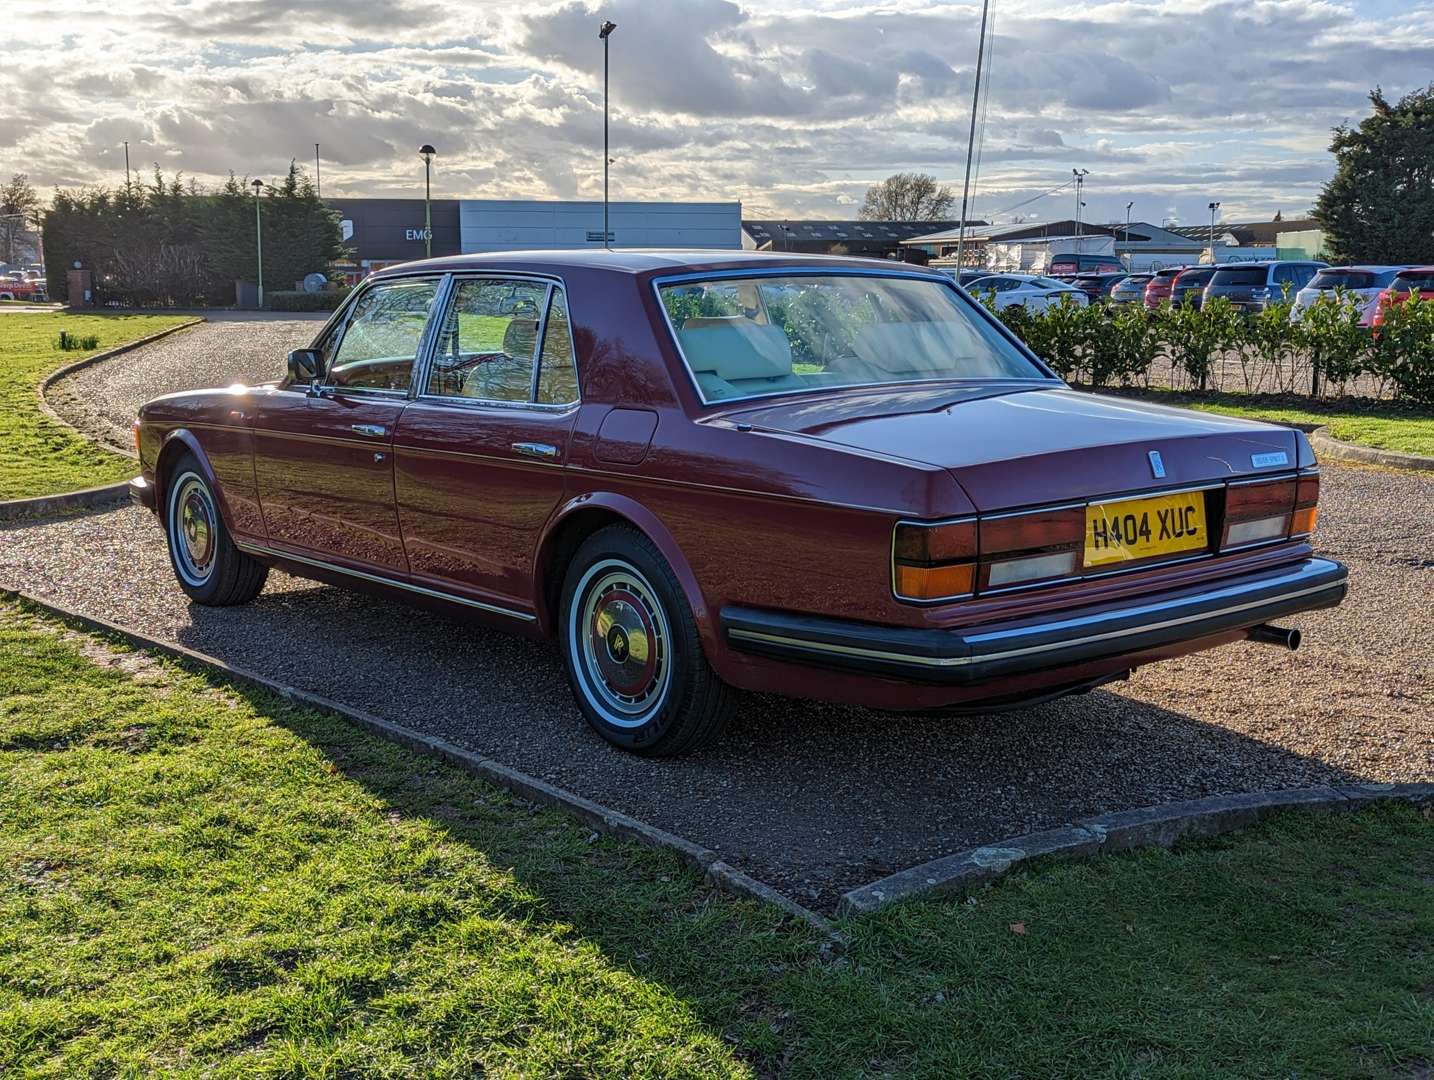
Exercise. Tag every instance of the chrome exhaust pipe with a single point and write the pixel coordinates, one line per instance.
(1284, 637)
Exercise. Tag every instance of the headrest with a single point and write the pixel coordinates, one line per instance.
(736, 348)
(520, 338)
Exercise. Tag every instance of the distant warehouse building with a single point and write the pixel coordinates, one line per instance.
(381, 232)
(866, 239)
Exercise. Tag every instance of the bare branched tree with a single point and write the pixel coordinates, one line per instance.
(908, 197)
(19, 211)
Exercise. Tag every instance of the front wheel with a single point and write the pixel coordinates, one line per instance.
(632, 652)
(210, 569)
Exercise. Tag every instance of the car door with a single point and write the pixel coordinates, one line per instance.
(479, 453)
(323, 462)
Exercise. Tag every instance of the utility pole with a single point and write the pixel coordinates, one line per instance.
(605, 32)
(971, 138)
(259, 240)
(318, 182)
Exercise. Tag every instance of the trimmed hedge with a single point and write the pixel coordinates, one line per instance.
(1324, 350)
(292, 300)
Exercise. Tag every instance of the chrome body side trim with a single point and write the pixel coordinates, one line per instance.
(379, 579)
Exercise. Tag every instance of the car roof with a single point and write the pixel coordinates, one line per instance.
(649, 261)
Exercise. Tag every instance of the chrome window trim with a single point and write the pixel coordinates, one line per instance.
(555, 284)
(259, 549)
(1085, 620)
(345, 310)
(657, 284)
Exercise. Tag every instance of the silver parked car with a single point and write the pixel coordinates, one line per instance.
(1364, 282)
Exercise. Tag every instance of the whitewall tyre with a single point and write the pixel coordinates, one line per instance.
(632, 651)
(209, 568)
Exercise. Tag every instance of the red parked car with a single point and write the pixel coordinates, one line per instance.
(1161, 286)
(829, 478)
(1417, 279)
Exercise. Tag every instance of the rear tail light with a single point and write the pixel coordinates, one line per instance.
(1023, 549)
(934, 562)
(1256, 513)
(1306, 515)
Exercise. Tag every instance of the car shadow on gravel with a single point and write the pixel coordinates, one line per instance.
(812, 798)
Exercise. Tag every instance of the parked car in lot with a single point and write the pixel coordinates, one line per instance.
(1189, 285)
(1030, 291)
(964, 278)
(1069, 264)
(1097, 287)
(1364, 283)
(1407, 282)
(698, 471)
(1250, 287)
(1130, 289)
(1161, 285)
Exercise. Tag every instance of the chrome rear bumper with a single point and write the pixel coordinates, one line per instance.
(976, 654)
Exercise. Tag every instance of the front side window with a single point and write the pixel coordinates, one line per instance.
(784, 334)
(380, 339)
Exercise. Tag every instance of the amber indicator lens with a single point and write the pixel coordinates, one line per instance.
(934, 582)
(1306, 513)
(934, 562)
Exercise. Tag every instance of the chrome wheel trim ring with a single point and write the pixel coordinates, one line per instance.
(193, 529)
(620, 640)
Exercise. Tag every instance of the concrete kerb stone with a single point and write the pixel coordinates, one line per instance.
(1122, 830)
(1328, 446)
(600, 818)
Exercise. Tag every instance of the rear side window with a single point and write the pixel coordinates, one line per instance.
(1239, 275)
(1406, 282)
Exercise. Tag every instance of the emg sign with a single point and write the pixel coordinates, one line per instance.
(417, 234)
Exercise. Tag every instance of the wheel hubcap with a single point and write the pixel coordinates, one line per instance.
(193, 529)
(622, 634)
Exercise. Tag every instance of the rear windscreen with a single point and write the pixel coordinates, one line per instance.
(1343, 279)
(1406, 282)
(1195, 277)
(1240, 275)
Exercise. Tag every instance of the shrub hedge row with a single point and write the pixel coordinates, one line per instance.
(1323, 350)
(292, 300)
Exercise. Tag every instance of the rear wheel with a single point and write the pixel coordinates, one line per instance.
(632, 651)
(210, 569)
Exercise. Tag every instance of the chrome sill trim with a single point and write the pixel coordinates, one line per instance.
(962, 661)
(256, 549)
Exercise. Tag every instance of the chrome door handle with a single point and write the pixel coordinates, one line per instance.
(372, 431)
(545, 451)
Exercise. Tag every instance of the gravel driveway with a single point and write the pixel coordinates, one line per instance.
(816, 799)
(232, 346)
(812, 798)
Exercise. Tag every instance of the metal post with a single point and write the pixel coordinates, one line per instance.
(318, 180)
(126, 166)
(971, 138)
(1214, 206)
(259, 240)
(604, 32)
(1131, 265)
(426, 152)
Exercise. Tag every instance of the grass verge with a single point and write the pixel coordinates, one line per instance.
(199, 878)
(37, 455)
(1381, 424)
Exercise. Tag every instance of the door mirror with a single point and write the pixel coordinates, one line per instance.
(306, 366)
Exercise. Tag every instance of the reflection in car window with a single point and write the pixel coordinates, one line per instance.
(380, 339)
(489, 341)
(766, 335)
(557, 373)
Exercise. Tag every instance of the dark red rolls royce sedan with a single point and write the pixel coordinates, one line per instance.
(699, 471)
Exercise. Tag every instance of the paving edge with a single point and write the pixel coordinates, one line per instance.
(1122, 830)
(39, 506)
(602, 819)
(1328, 446)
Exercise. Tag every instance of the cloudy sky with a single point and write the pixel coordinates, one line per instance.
(791, 107)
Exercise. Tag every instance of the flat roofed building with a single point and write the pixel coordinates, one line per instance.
(538, 224)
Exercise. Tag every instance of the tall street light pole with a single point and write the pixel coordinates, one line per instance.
(318, 181)
(605, 32)
(126, 165)
(426, 151)
(258, 186)
(1214, 207)
(971, 138)
(1080, 175)
(1127, 228)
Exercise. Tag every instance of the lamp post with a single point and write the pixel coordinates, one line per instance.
(605, 32)
(258, 186)
(126, 166)
(1080, 175)
(971, 138)
(426, 152)
(1127, 230)
(1214, 206)
(318, 180)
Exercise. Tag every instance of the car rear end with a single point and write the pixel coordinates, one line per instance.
(1161, 285)
(1406, 283)
(1245, 285)
(1130, 289)
(1190, 285)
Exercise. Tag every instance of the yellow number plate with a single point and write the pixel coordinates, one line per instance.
(1133, 529)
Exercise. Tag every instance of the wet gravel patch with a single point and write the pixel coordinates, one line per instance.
(813, 798)
(231, 347)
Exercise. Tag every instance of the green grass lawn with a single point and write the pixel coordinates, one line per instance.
(1380, 424)
(37, 455)
(202, 879)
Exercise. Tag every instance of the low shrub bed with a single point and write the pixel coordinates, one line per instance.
(295, 300)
